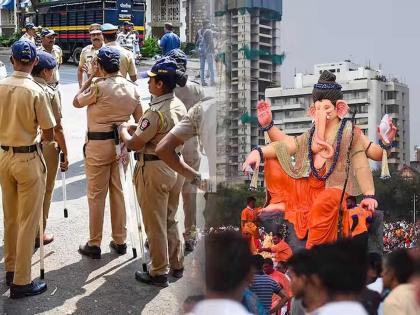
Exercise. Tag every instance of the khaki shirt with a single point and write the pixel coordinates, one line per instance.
(58, 55)
(190, 94)
(28, 37)
(53, 97)
(110, 100)
(86, 57)
(164, 113)
(127, 63)
(23, 108)
(201, 121)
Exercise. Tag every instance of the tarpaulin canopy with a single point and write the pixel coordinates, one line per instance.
(7, 4)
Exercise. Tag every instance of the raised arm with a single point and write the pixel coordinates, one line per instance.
(265, 119)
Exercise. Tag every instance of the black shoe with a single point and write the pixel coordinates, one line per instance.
(145, 277)
(48, 238)
(20, 291)
(90, 251)
(177, 273)
(9, 278)
(120, 249)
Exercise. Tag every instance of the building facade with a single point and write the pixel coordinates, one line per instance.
(365, 90)
(186, 16)
(253, 59)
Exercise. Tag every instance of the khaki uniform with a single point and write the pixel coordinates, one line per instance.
(127, 63)
(23, 108)
(86, 57)
(58, 55)
(190, 95)
(50, 151)
(158, 186)
(110, 100)
(28, 37)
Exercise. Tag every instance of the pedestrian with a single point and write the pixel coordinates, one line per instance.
(281, 250)
(190, 94)
(23, 110)
(30, 33)
(43, 74)
(169, 40)
(127, 63)
(89, 52)
(205, 44)
(249, 214)
(48, 44)
(110, 99)
(158, 186)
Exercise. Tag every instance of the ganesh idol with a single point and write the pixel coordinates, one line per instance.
(308, 177)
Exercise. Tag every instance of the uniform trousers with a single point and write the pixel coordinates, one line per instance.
(22, 179)
(189, 192)
(103, 175)
(158, 188)
(51, 156)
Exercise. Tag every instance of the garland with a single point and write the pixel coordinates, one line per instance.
(336, 153)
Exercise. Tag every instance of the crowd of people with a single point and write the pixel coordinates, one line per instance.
(335, 278)
(400, 234)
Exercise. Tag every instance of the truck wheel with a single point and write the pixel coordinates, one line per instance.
(76, 55)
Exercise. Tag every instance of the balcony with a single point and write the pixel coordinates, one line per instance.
(275, 107)
(357, 101)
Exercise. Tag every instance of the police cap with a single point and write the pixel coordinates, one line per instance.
(24, 51)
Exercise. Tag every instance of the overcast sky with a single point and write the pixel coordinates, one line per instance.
(385, 32)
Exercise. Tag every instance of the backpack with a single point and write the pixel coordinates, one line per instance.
(201, 42)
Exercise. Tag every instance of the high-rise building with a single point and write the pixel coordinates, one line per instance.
(366, 90)
(253, 59)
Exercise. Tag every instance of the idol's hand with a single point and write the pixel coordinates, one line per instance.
(369, 203)
(251, 163)
(264, 113)
(390, 135)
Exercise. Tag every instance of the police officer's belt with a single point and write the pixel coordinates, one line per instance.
(147, 157)
(26, 149)
(100, 135)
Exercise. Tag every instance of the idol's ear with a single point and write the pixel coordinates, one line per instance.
(311, 111)
(342, 108)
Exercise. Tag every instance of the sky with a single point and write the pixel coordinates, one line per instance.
(382, 32)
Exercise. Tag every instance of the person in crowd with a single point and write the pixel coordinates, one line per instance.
(48, 44)
(264, 287)
(30, 32)
(169, 40)
(227, 257)
(281, 250)
(398, 268)
(205, 45)
(250, 213)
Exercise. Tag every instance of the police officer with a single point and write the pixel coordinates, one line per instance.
(48, 45)
(89, 52)
(190, 94)
(158, 187)
(110, 99)
(30, 33)
(128, 65)
(43, 74)
(23, 109)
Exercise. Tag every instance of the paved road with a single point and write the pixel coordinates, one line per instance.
(78, 285)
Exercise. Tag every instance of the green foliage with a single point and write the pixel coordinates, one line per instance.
(226, 206)
(395, 195)
(8, 41)
(150, 47)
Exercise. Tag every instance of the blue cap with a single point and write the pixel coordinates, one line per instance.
(24, 51)
(163, 67)
(108, 55)
(179, 56)
(46, 61)
(109, 28)
(47, 32)
(29, 25)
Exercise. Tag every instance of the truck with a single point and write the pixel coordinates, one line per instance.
(71, 19)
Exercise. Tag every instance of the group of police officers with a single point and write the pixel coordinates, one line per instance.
(31, 138)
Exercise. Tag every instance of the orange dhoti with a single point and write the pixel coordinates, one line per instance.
(297, 195)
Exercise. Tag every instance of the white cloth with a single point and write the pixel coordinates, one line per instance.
(377, 286)
(219, 307)
(341, 308)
